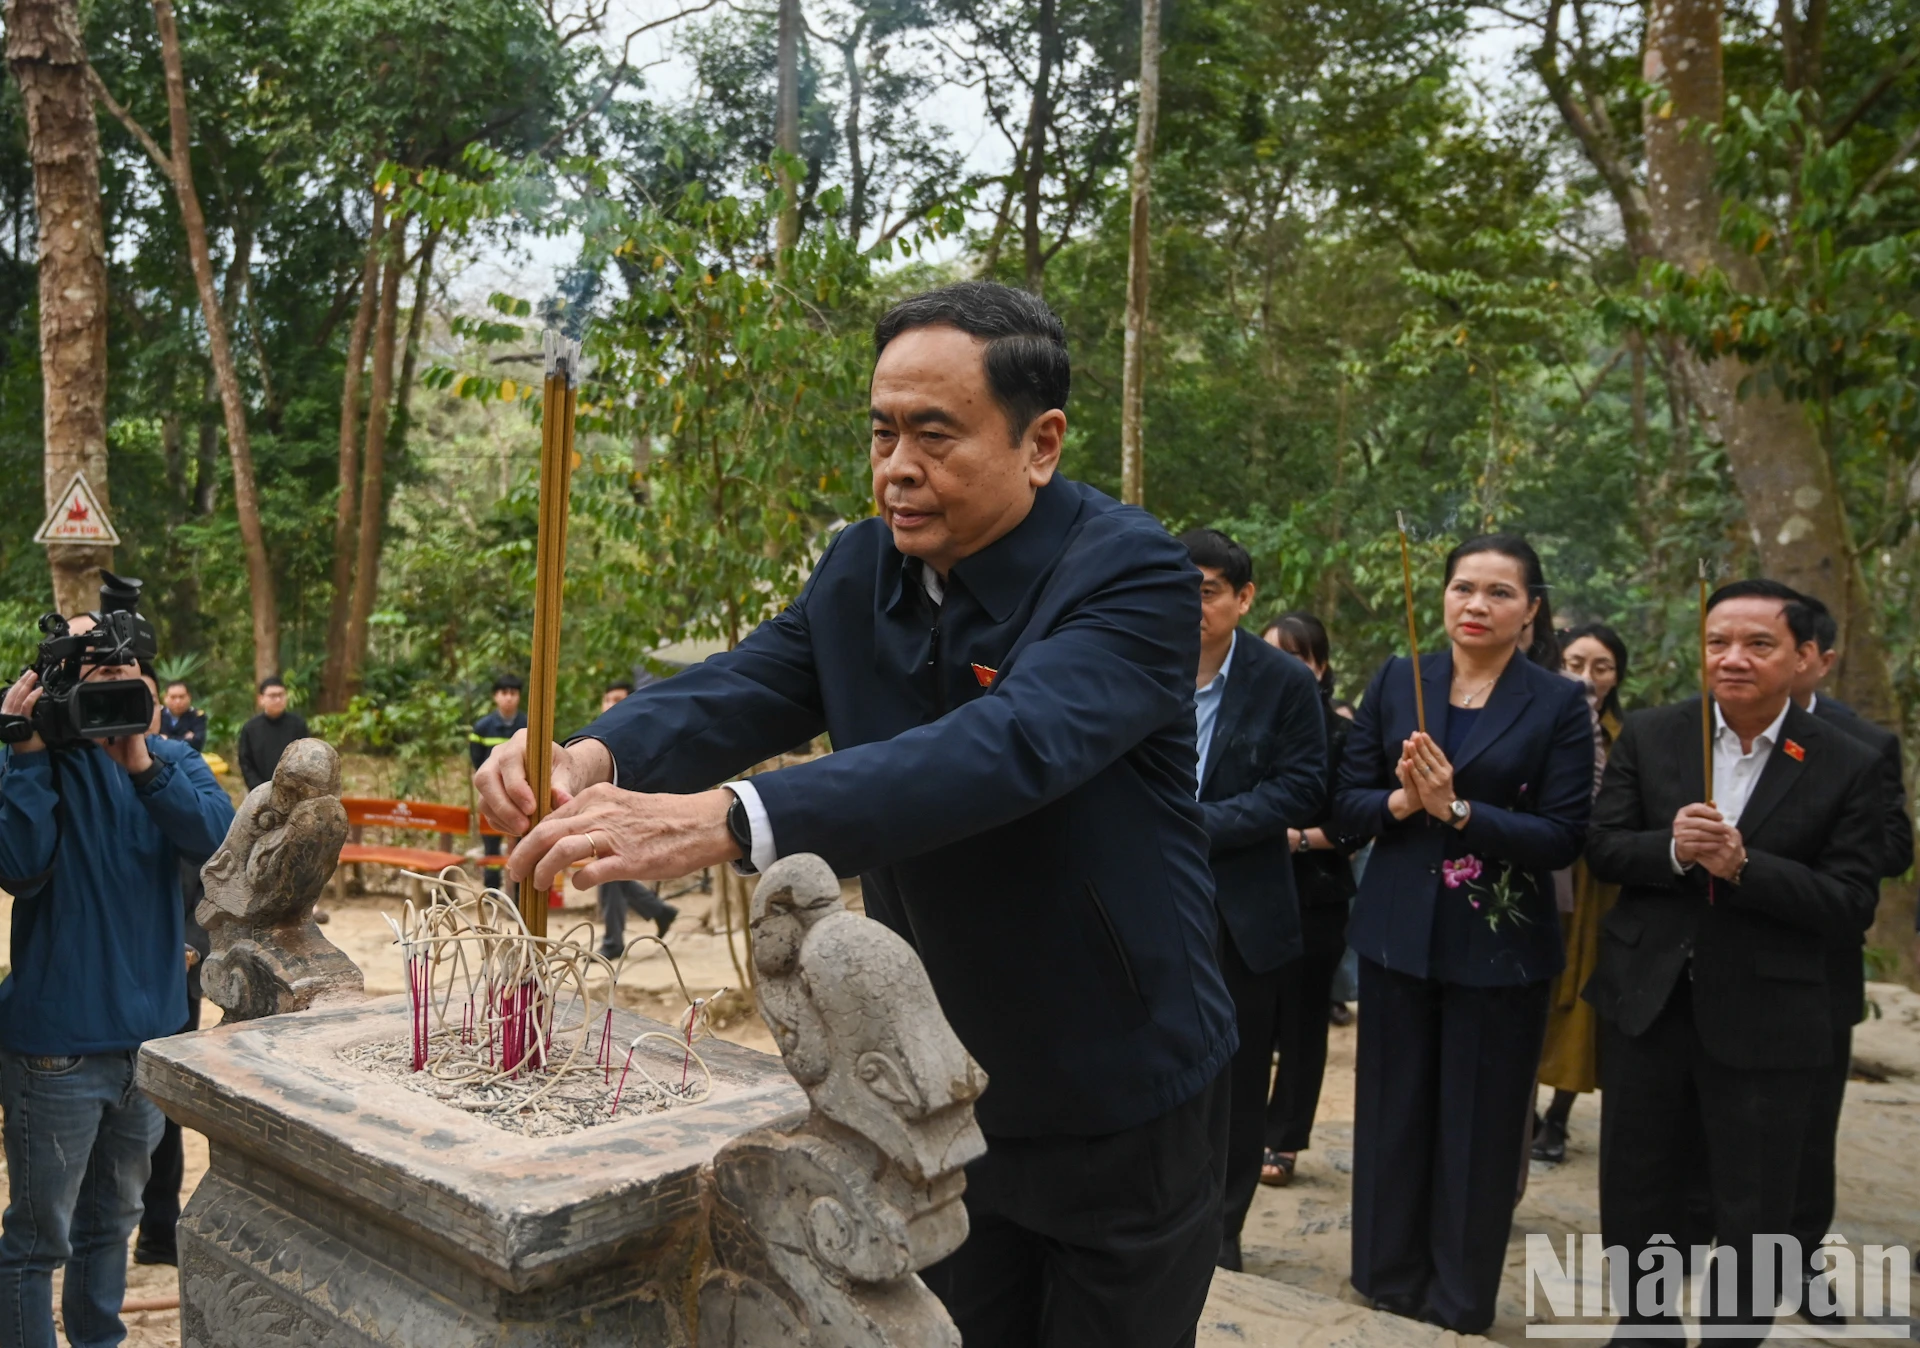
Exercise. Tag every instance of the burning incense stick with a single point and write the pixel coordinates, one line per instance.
(1706, 693)
(1413, 635)
(550, 554)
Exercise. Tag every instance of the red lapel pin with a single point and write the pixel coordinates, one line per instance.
(984, 675)
(1791, 748)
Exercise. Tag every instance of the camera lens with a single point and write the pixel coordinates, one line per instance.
(112, 707)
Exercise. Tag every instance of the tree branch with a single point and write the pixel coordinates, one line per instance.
(1880, 86)
(126, 119)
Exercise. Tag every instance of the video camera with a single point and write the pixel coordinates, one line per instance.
(73, 709)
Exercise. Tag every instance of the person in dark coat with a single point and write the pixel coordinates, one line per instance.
(1323, 878)
(1005, 662)
(264, 738)
(489, 732)
(1263, 755)
(180, 719)
(1846, 976)
(1457, 933)
(1712, 987)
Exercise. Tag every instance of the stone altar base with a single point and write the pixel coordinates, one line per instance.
(347, 1211)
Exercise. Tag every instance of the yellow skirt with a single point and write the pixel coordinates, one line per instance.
(1569, 1061)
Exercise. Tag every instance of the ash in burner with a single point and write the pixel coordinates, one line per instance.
(518, 1028)
(578, 1099)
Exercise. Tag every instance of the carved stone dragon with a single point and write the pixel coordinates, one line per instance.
(268, 954)
(819, 1228)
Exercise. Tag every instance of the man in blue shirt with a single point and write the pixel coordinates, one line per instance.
(1005, 662)
(91, 839)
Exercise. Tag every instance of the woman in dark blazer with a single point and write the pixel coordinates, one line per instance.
(1457, 933)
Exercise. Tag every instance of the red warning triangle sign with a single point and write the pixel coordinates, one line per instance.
(77, 517)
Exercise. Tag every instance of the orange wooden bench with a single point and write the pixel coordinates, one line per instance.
(364, 812)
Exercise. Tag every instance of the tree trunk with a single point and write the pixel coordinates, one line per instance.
(1784, 476)
(246, 495)
(856, 162)
(45, 53)
(333, 677)
(1039, 124)
(1139, 260)
(410, 358)
(366, 576)
(786, 121)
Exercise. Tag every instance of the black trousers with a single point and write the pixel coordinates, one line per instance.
(1813, 1199)
(616, 897)
(1254, 998)
(1091, 1242)
(1444, 1091)
(490, 846)
(1672, 1120)
(1300, 1027)
(160, 1200)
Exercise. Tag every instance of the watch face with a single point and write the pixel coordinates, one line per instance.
(1459, 808)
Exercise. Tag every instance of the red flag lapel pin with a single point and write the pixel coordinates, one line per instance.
(1792, 749)
(984, 676)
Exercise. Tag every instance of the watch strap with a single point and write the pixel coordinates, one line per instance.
(740, 829)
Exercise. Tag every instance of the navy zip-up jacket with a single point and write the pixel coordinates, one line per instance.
(1012, 777)
(99, 944)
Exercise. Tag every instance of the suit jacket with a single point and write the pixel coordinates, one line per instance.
(1527, 771)
(1846, 972)
(1324, 876)
(1266, 773)
(1756, 950)
(1012, 776)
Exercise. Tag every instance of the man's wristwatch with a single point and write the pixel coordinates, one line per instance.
(1305, 844)
(1460, 812)
(741, 831)
(15, 729)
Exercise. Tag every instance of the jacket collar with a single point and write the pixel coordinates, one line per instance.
(1504, 704)
(1000, 574)
(1233, 704)
(1782, 769)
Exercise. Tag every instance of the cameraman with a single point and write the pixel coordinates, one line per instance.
(91, 837)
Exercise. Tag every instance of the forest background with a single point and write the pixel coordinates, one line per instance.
(1633, 277)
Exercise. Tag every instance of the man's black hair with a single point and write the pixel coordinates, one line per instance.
(177, 683)
(1026, 357)
(272, 681)
(1826, 628)
(513, 681)
(1793, 605)
(624, 685)
(1211, 548)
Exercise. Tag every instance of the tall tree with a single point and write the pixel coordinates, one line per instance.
(1139, 259)
(786, 123)
(48, 58)
(178, 168)
(366, 576)
(333, 674)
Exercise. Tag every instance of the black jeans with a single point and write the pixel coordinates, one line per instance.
(1443, 1093)
(1091, 1242)
(1300, 1027)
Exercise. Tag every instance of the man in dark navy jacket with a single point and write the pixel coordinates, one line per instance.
(1263, 765)
(1004, 660)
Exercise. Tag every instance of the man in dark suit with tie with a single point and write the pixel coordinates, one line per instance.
(1004, 660)
(1711, 983)
(1846, 974)
(1263, 766)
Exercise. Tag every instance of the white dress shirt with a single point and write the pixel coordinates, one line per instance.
(1735, 771)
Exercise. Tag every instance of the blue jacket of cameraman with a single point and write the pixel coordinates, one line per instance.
(91, 855)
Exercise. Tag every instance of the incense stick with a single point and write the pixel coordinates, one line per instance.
(1706, 693)
(1413, 635)
(549, 574)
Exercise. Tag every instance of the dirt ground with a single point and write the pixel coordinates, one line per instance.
(1299, 1235)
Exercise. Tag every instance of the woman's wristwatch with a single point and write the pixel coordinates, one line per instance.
(1460, 811)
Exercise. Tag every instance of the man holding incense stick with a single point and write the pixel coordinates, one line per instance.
(1005, 661)
(1711, 982)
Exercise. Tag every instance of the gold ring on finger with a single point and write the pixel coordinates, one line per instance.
(595, 845)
